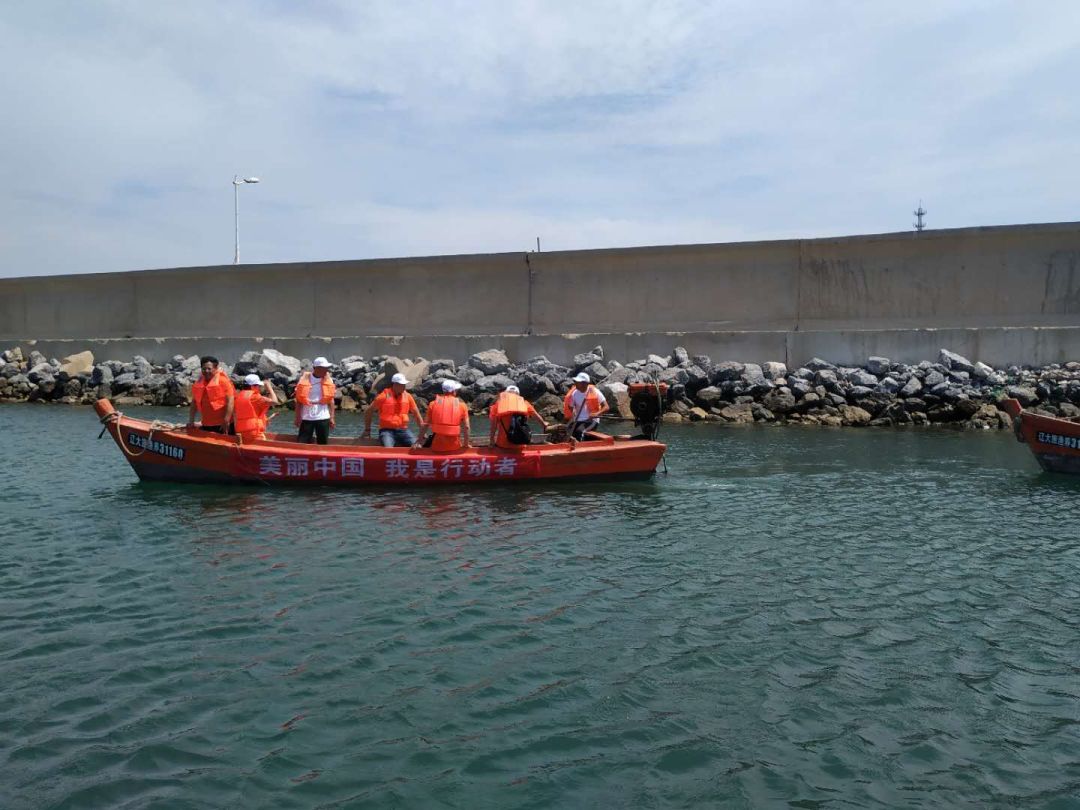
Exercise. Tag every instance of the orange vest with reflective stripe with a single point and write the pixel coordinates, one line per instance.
(446, 415)
(393, 412)
(249, 413)
(582, 412)
(212, 398)
(303, 390)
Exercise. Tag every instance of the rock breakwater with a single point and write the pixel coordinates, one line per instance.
(949, 389)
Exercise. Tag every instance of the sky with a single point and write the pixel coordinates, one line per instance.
(408, 128)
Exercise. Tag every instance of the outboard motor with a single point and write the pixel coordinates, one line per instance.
(647, 403)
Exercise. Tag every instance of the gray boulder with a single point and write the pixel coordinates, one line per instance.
(726, 371)
(679, 356)
(492, 361)
(817, 364)
(492, 384)
(912, 388)
(36, 359)
(779, 400)
(955, 362)
(860, 377)
(981, 371)
(586, 359)
(14, 355)
(674, 376)
(774, 370)
(596, 371)
(442, 364)
(888, 386)
(708, 397)
(878, 366)
(270, 362)
(933, 377)
(1026, 396)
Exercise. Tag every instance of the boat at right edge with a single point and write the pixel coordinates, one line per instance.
(1055, 442)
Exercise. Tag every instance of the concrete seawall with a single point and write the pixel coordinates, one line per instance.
(1002, 295)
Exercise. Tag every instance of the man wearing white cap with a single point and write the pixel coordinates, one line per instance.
(509, 417)
(446, 416)
(394, 405)
(315, 403)
(583, 406)
(252, 407)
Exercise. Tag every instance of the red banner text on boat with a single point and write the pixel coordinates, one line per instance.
(387, 469)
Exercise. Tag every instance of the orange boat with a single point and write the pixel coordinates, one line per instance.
(163, 452)
(1055, 442)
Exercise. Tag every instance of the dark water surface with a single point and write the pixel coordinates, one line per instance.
(793, 617)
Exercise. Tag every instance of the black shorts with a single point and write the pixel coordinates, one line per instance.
(319, 429)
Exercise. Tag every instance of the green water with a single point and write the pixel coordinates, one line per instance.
(792, 617)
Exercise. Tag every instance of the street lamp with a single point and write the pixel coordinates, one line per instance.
(238, 181)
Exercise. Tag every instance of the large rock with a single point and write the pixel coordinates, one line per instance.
(679, 356)
(878, 366)
(955, 362)
(596, 371)
(855, 416)
(708, 397)
(860, 377)
(534, 385)
(75, 365)
(492, 384)
(618, 397)
(779, 400)
(726, 371)
(1026, 396)
(40, 372)
(271, 362)
(586, 359)
(491, 361)
(774, 370)
(912, 388)
(548, 406)
(14, 355)
(741, 414)
(981, 371)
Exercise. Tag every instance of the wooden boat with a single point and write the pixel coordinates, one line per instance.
(163, 452)
(1055, 442)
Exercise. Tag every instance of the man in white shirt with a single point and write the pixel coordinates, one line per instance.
(315, 403)
(583, 406)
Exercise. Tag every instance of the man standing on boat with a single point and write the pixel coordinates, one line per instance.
(446, 416)
(252, 407)
(509, 417)
(583, 406)
(394, 405)
(315, 403)
(213, 396)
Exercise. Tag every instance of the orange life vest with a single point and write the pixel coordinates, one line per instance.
(507, 406)
(212, 398)
(582, 412)
(446, 415)
(393, 411)
(303, 390)
(249, 413)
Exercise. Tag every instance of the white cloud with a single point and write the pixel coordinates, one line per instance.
(400, 128)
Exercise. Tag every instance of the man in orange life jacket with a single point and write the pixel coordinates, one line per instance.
(212, 396)
(509, 416)
(446, 416)
(582, 406)
(315, 403)
(250, 412)
(394, 406)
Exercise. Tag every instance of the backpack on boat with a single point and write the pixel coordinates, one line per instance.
(519, 431)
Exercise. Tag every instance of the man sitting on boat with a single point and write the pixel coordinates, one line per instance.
(509, 416)
(446, 417)
(251, 409)
(394, 406)
(583, 406)
(212, 396)
(315, 403)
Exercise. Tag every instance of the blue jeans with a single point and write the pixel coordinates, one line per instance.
(396, 437)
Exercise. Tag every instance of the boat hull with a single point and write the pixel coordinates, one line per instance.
(1054, 442)
(159, 452)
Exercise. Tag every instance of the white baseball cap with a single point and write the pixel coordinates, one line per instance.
(582, 377)
(513, 389)
(399, 379)
(320, 362)
(252, 379)
(450, 386)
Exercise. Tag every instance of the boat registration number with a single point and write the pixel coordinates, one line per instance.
(154, 446)
(1071, 442)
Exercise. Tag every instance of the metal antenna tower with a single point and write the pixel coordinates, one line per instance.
(919, 213)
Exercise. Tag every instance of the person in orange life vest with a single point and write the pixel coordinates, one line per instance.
(509, 416)
(251, 408)
(583, 405)
(394, 406)
(213, 396)
(446, 417)
(315, 403)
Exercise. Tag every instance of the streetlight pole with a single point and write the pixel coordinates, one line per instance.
(238, 181)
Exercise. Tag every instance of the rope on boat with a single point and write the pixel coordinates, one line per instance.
(117, 416)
